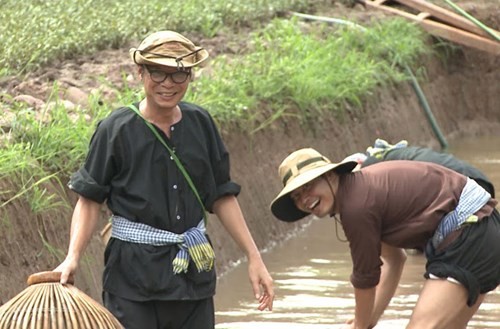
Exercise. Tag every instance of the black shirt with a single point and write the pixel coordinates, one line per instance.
(447, 160)
(130, 169)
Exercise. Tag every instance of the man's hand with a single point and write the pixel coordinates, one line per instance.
(351, 324)
(67, 267)
(262, 284)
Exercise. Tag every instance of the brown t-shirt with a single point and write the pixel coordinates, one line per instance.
(396, 202)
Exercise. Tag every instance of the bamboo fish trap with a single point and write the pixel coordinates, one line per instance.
(47, 304)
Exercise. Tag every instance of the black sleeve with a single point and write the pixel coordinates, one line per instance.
(93, 179)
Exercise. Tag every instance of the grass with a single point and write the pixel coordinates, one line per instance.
(288, 69)
(57, 253)
(37, 33)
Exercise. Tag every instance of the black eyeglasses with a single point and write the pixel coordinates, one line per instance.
(160, 76)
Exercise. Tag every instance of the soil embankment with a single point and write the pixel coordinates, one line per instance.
(464, 94)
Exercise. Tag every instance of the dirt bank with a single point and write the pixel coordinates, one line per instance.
(463, 92)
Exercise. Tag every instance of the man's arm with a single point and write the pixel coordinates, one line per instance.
(365, 299)
(371, 303)
(392, 269)
(83, 223)
(229, 213)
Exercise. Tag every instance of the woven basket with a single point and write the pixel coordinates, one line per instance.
(47, 304)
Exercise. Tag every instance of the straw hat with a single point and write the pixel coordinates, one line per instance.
(168, 48)
(48, 304)
(299, 168)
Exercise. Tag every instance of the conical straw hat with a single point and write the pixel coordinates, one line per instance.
(47, 304)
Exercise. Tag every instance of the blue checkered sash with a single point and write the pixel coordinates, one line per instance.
(472, 199)
(193, 244)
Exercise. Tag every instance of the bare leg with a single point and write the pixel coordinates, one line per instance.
(466, 315)
(442, 305)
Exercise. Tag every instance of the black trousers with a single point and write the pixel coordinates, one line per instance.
(179, 314)
(473, 258)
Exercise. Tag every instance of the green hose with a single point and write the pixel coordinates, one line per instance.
(427, 110)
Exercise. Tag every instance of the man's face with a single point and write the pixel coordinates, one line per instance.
(315, 197)
(165, 86)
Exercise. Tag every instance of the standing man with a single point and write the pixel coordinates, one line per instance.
(395, 205)
(160, 165)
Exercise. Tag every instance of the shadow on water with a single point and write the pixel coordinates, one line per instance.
(311, 272)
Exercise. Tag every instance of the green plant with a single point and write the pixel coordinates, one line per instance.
(36, 33)
(287, 71)
(57, 253)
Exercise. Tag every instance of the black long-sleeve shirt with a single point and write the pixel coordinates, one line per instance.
(129, 168)
(416, 153)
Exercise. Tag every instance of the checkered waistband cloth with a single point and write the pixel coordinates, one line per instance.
(472, 199)
(193, 244)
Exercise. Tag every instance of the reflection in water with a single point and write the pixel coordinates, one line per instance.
(311, 273)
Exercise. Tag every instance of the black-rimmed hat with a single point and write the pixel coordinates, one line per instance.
(299, 168)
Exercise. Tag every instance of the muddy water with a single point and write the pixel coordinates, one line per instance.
(311, 272)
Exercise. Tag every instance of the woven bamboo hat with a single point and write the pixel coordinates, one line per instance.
(299, 168)
(48, 304)
(168, 48)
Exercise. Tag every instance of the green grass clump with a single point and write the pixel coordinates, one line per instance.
(56, 138)
(290, 71)
(37, 33)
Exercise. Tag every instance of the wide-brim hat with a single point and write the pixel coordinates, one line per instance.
(168, 48)
(299, 168)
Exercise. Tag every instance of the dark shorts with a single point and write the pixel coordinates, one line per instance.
(179, 314)
(473, 259)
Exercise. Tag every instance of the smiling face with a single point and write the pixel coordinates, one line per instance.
(162, 96)
(317, 196)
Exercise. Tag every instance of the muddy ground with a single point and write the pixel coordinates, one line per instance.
(463, 92)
